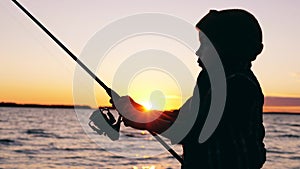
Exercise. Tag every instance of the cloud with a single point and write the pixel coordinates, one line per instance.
(296, 74)
(282, 101)
(173, 97)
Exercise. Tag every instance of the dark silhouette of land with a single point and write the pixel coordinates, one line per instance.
(107, 107)
(283, 113)
(11, 104)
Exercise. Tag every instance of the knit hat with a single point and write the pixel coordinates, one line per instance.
(235, 33)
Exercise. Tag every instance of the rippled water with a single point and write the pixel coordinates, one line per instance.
(54, 138)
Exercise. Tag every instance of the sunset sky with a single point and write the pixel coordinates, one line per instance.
(33, 69)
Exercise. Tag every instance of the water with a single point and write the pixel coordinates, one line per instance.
(54, 138)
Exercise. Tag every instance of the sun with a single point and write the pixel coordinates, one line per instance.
(147, 105)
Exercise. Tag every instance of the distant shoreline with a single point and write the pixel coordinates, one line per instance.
(283, 113)
(10, 104)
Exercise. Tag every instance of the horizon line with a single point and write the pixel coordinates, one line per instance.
(34, 105)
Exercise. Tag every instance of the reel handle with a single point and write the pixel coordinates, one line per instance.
(105, 123)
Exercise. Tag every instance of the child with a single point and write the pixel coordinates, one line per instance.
(237, 141)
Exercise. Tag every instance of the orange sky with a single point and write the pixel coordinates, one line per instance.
(34, 70)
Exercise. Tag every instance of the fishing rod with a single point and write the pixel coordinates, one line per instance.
(108, 90)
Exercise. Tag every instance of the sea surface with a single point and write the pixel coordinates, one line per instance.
(61, 138)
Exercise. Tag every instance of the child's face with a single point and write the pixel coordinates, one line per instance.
(205, 50)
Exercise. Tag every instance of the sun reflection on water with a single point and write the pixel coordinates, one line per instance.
(144, 167)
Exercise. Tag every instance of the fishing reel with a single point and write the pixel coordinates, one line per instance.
(104, 123)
